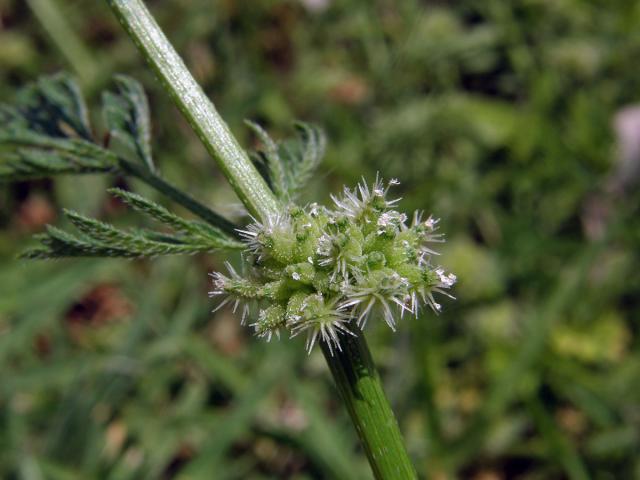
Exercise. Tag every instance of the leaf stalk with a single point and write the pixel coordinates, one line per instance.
(154, 180)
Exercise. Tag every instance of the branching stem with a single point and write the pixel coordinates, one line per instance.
(196, 107)
(353, 369)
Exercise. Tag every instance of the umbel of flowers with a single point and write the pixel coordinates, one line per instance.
(326, 271)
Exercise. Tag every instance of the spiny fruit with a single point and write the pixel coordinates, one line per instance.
(321, 271)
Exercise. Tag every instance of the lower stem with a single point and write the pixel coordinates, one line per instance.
(361, 388)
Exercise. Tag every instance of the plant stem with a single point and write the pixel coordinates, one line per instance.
(353, 368)
(188, 202)
(361, 389)
(196, 107)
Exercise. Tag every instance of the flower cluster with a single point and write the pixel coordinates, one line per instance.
(326, 271)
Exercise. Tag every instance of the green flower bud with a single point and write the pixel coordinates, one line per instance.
(319, 271)
(301, 272)
(270, 321)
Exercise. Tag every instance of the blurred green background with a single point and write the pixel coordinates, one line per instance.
(513, 121)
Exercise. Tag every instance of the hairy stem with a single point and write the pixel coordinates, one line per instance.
(361, 389)
(188, 202)
(353, 368)
(196, 107)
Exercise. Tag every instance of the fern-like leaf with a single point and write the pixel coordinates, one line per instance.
(102, 240)
(276, 169)
(47, 132)
(288, 166)
(99, 239)
(304, 154)
(188, 228)
(54, 106)
(127, 117)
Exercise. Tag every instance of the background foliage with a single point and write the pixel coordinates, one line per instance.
(496, 116)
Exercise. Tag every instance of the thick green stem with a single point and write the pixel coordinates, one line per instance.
(352, 368)
(196, 107)
(361, 389)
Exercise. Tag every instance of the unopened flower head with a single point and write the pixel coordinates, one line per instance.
(324, 271)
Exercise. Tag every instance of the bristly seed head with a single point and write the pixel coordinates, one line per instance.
(324, 272)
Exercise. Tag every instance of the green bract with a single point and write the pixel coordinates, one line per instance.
(319, 270)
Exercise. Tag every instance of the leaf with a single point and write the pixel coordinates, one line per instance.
(305, 154)
(54, 105)
(276, 169)
(59, 244)
(100, 239)
(288, 166)
(190, 228)
(47, 132)
(128, 120)
(29, 163)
